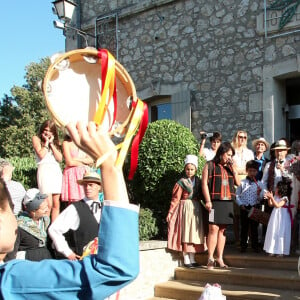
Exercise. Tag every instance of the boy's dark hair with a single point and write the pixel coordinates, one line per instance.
(216, 136)
(252, 164)
(5, 195)
(284, 188)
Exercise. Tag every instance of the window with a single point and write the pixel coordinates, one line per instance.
(159, 108)
(174, 107)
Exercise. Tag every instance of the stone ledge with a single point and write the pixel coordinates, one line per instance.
(152, 245)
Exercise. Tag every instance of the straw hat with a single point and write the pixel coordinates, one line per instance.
(90, 177)
(260, 140)
(280, 145)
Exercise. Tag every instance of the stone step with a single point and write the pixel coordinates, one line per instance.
(192, 290)
(258, 277)
(233, 257)
(251, 276)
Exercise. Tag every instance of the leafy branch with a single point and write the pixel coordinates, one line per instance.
(289, 8)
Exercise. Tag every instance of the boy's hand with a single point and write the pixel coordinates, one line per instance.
(96, 143)
(93, 140)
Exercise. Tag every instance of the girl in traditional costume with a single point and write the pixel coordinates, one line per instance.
(185, 228)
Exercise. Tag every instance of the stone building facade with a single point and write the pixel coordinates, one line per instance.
(218, 65)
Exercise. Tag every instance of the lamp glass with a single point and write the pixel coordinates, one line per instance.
(64, 9)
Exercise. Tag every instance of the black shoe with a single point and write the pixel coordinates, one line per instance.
(256, 250)
(196, 265)
(189, 266)
(243, 250)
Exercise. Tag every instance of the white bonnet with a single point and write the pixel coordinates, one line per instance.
(191, 159)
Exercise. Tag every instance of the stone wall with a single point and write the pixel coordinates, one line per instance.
(156, 265)
(212, 47)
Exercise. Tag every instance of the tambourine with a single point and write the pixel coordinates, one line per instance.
(90, 85)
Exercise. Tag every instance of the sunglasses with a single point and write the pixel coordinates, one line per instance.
(242, 137)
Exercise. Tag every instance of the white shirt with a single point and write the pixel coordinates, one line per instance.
(17, 193)
(246, 193)
(209, 154)
(241, 158)
(278, 175)
(66, 220)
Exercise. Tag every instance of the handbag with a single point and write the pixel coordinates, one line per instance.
(259, 216)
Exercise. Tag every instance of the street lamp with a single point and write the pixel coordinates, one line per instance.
(64, 9)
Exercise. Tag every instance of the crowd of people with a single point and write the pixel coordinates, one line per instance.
(60, 217)
(24, 233)
(238, 186)
(255, 190)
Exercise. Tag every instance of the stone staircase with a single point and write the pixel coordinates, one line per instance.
(251, 276)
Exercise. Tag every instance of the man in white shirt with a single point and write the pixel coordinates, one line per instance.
(15, 188)
(215, 142)
(80, 220)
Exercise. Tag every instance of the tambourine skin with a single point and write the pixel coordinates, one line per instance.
(72, 89)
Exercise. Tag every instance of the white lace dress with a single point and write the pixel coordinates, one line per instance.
(49, 174)
(278, 235)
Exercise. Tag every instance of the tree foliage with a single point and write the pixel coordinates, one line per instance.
(22, 114)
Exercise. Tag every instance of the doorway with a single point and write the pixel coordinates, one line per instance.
(293, 108)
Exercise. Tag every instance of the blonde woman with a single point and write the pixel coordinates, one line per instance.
(242, 153)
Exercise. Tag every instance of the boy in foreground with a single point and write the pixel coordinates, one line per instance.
(96, 276)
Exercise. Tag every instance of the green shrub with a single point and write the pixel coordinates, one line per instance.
(147, 225)
(161, 162)
(25, 171)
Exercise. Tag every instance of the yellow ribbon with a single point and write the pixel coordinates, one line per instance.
(134, 124)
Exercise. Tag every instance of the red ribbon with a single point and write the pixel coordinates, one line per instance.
(136, 142)
(290, 212)
(103, 55)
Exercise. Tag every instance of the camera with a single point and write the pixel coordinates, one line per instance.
(206, 135)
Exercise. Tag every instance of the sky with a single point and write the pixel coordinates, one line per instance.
(27, 35)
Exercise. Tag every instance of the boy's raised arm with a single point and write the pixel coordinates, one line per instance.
(95, 142)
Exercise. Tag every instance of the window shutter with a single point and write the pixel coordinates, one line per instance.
(181, 108)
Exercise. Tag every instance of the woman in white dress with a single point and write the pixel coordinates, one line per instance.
(278, 235)
(48, 156)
